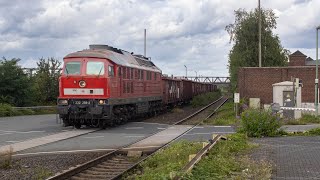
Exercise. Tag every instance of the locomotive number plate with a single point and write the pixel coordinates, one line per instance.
(82, 102)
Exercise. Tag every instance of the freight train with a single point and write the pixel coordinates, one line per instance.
(103, 86)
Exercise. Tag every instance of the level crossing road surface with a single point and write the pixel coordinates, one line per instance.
(113, 138)
(21, 128)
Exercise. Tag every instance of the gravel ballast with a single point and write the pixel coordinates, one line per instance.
(43, 166)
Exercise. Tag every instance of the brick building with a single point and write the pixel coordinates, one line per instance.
(255, 82)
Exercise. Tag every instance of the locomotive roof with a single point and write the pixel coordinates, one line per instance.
(118, 56)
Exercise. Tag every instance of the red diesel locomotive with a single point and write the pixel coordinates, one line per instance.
(103, 85)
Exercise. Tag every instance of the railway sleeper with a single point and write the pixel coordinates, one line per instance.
(93, 172)
(115, 161)
(109, 171)
(109, 166)
(89, 176)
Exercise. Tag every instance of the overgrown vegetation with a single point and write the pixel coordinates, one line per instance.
(165, 163)
(41, 173)
(205, 99)
(259, 123)
(305, 119)
(224, 116)
(8, 110)
(6, 158)
(229, 160)
(20, 88)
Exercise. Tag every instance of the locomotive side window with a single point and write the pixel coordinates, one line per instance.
(124, 73)
(72, 68)
(95, 68)
(119, 71)
(142, 75)
(136, 74)
(128, 73)
(111, 71)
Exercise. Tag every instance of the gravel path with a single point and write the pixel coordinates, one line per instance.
(42, 166)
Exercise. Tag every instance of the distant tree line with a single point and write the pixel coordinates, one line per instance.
(18, 88)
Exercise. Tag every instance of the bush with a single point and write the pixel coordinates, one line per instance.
(205, 99)
(26, 112)
(6, 110)
(258, 123)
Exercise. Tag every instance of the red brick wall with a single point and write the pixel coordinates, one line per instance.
(297, 61)
(254, 82)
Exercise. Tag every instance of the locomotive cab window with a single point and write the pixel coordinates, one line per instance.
(110, 71)
(95, 68)
(72, 68)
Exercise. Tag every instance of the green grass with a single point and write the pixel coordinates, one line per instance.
(311, 132)
(229, 160)
(41, 173)
(224, 116)
(205, 99)
(305, 119)
(165, 163)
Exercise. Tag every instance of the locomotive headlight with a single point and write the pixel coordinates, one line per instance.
(102, 101)
(82, 83)
(63, 102)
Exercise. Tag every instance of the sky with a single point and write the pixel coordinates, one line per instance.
(179, 32)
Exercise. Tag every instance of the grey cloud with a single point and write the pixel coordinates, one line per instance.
(180, 32)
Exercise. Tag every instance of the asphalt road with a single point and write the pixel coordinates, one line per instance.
(20, 128)
(122, 135)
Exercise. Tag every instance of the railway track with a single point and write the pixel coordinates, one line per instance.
(114, 164)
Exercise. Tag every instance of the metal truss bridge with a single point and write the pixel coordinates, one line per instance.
(210, 79)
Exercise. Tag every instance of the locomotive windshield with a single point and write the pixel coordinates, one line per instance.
(95, 68)
(72, 68)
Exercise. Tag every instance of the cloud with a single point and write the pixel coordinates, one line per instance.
(179, 32)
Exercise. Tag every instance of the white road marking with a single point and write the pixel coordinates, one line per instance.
(12, 141)
(132, 136)
(134, 128)
(21, 132)
(191, 134)
(5, 134)
(58, 152)
(218, 126)
(150, 123)
(44, 140)
(161, 128)
(93, 137)
(199, 127)
(138, 147)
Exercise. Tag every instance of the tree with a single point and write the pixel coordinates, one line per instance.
(14, 83)
(244, 33)
(46, 80)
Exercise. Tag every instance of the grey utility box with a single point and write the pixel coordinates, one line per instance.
(286, 96)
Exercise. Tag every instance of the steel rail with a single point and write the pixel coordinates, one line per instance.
(165, 145)
(76, 170)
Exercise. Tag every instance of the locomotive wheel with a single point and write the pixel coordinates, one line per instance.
(77, 125)
(102, 124)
